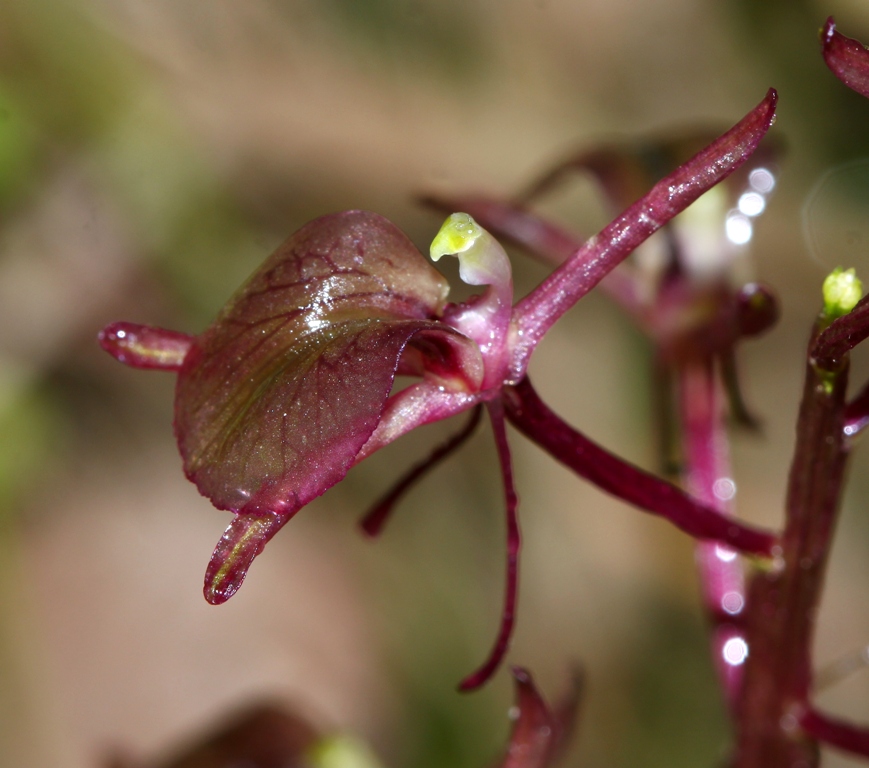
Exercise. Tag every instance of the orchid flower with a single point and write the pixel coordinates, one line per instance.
(292, 384)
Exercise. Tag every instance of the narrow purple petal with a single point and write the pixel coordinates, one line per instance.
(530, 415)
(508, 616)
(143, 346)
(536, 313)
(847, 58)
(374, 520)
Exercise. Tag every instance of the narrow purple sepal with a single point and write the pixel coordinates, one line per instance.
(847, 58)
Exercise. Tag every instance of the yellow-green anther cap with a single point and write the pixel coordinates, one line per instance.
(842, 290)
(458, 233)
(341, 752)
(482, 260)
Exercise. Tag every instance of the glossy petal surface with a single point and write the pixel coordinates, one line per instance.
(276, 398)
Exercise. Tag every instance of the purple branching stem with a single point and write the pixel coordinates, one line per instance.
(531, 416)
(848, 737)
(783, 601)
(536, 313)
(514, 540)
(841, 336)
(374, 520)
(706, 474)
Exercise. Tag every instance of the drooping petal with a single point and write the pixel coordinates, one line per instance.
(514, 541)
(276, 398)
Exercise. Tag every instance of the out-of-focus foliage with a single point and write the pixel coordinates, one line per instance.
(152, 153)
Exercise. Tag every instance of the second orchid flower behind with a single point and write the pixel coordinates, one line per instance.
(291, 385)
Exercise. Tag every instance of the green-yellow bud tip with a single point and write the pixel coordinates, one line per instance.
(341, 752)
(842, 290)
(458, 233)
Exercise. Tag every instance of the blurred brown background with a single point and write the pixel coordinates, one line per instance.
(153, 152)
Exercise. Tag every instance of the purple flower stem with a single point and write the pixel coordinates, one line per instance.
(374, 520)
(783, 601)
(531, 416)
(514, 540)
(837, 733)
(706, 474)
(536, 313)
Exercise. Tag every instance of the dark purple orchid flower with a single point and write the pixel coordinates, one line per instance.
(291, 385)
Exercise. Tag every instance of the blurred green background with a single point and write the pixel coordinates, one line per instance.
(153, 152)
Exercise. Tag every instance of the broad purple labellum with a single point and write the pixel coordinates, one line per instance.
(276, 398)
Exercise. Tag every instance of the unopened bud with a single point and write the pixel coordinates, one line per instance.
(842, 290)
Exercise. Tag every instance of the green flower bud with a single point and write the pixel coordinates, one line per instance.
(842, 290)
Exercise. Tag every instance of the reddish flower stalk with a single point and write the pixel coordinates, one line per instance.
(707, 477)
(782, 602)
